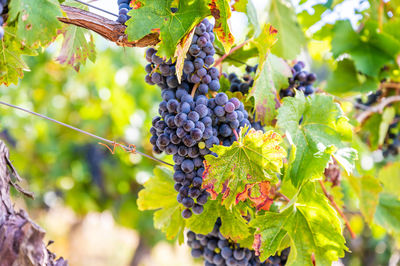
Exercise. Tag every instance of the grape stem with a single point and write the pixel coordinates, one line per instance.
(222, 58)
(332, 201)
(377, 108)
(129, 148)
(236, 134)
(194, 89)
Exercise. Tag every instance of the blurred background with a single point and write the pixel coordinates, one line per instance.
(85, 196)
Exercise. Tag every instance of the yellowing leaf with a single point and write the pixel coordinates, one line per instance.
(12, 66)
(159, 194)
(255, 157)
(221, 11)
(180, 53)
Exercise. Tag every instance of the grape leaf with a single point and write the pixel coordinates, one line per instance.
(367, 189)
(12, 66)
(271, 76)
(345, 80)
(307, 20)
(312, 225)
(159, 194)
(255, 157)
(156, 14)
(388, 212)
(259, 194)
(282, 16)
(370, 50)
(317, 137)
(221, 11)
(234, 226)
(180, 53)
(75, 49)
(264, 42)
(37, 20)
(389, 175)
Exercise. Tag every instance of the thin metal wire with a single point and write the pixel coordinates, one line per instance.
(84, 132)
(95, 7)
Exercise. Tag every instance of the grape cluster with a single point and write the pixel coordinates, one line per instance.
(228, 115)
(184, 128)
(3, 7)
(391, 145)
(301, 81)
(217, 250)
(242, 85)
(123, 6)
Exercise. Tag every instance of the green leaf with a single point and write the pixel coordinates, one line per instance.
(312, 225)
(75, 49)
(156, 14)
(241, 56)
(270, 77)
(37, 22)
(234, 226)
(319, 135)
(388, 213)
(159, 194)
(12, 65)
(367, 189)
(255, 157)
(389, 175)
(282, 16)
(221, 11)
(345, 80)
(370, 49)
(307, 20)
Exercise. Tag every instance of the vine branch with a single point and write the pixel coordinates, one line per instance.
(129, 148)
(377, 108)
(109, 29)
(222, 58)
(332, 201)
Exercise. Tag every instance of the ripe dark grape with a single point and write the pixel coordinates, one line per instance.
(215, 249)
(300, 81)
(124, 8)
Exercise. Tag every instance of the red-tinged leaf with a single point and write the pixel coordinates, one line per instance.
(221, 11)
(180, 53)
(75, 49)
(258, 194)
(254, 158)
(136, 4)
(257, 244)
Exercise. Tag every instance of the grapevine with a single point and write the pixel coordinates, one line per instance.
(225, 137)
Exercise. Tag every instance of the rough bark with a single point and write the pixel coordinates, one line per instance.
(111, 30)
(21, 240)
